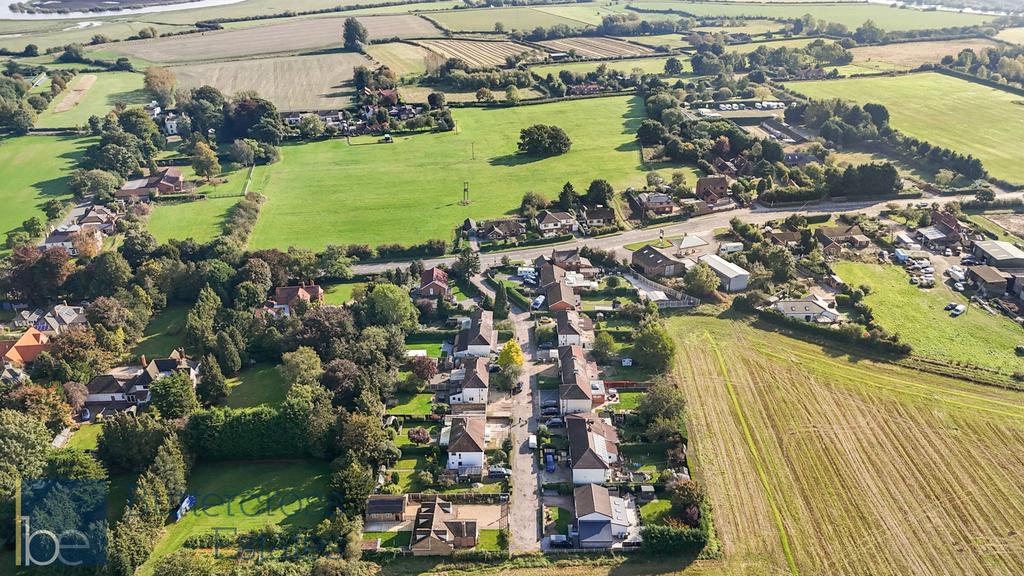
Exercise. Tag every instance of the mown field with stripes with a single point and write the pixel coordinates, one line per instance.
(822, 462)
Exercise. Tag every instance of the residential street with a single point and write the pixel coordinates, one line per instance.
(524, 522)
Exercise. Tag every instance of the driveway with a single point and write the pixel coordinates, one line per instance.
(525, 506)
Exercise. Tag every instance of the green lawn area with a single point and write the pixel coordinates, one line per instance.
(489, 540)
(656, 511)
(657, 243)
(166, 331)
(34, 169)
(628, 400)
(462, 290)
(851, 14)
(429, 342)
(86, 437)
(340, 293)
(650, 456)
(202, 220)
(412, 405)
(976, 337)
(299, 490)
(410, 191)
(560, 518)
(960, 115)
(402, 440)
(411, 461)
(260, 384)
(109, 89)
(655, 65)
(396, 539)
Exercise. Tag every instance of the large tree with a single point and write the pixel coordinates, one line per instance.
(24, 442)
(653, 347)
(701, 280)
(355, 34)
(301, 366)
(544, 140)
(204, 161)
(389, 305)
(174, 396)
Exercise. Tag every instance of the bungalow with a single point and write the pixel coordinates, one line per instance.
(561, 297)
(573, 329)
(988, 279)
(437, 531)
(386, 508)
(580, 388)
(286, 298)
(658, 203)
(653, 262)
(434, 283)
(601, 519)
(57, 320)
(785, 238)
(798, 159)
(469, 384)
(556, 223)
(810, 309)
(593, 448)
(466, 444)
(503, 229)
(733, 277)
(839, 235)
(26, 348)
(477, 336)
(711, 189)
(597, 216)
(71, 237)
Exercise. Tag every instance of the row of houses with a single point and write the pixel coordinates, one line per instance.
(548, 223)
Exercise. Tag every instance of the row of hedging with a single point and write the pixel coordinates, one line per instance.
(260, 433)
(243, 217)
(534, 242)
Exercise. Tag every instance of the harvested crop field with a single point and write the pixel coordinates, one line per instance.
(1015, 35)
(479, 54)
(400, 57)
(1012, 223)
(597, 47)
(654, 65)
(291, 36)
(913, 54)
(818, 461)
(293, 83)
(483, 19)
(76, 94)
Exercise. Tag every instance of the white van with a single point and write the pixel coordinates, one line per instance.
(730, 247)
(532, 442)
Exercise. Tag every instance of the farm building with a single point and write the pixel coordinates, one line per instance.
(1002, 255)
(386, 508)
(733, 277)
(988, 279)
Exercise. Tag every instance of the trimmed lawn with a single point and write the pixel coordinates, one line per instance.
(489, 540)
(431, 343)
(628, 400)
(650, 456)
(259, 385)
(109, 89)
(397, 539)
(917, 315)
(411, 462)
(560, 519)
(235, 495)
(410, 191)
(85, 438)
(202, 220)
(960, 115)
(656, 242)
(34, 169)
(165, 332)
(656, 512)
(340, 293)
(412, 405)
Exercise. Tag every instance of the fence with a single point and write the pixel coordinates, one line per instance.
(678, 299)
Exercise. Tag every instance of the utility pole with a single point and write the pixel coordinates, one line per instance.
(465, 193)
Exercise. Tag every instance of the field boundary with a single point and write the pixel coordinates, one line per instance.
(758, 464)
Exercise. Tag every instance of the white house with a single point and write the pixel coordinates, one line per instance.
(64, 237)
(733, 278)
(553, 223)
(573, 329)
(171, 124)
(470, 383)
(810, 309)
(580, 388)
(593, 448)
(466, 443)
(477, 337)
(601, 519)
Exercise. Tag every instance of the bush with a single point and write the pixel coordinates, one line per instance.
(670, 540)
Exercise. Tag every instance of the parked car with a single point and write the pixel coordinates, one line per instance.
(551, 411)
(555, 423)
(958, 286)
(960, 309)
(914, 280)
(560, 541)
(532, 442)
(950, 306)
(948, 252)
(928, 270)
(537, 302)
(498, 472)
(86, 415)
(549, 404)
(549, 463)
(494, 368)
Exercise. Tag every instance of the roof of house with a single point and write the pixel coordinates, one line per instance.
(569, 256)
(651, 257)
(176, 362)
(592, 498)
(547, 217)
(550, 274)
(595, 531)
(171, 175)
(808, 304)
(25, 349)
(479, 333)
(436, 519)
(571, 323)
(998, 250)
(291, 294)
(505, 227)
(386, 504)
(989, 274)
(723, 266)
(717, 180)
(105, 384)
(589, 436)
(62, 315)
(432, 275)
(600, 213)
(477, 375)
(647, 198)
(467, 435)
(573, 373)
(839, 232)
(783, 236)
(560, 292)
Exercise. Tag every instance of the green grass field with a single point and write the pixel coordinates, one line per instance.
(110, 89)
(557, 519)
(656, 511)
(299, 490)
(849, 14)
(202, 220)
(516, 18)
(396, 539)
(166, 331)
(963, 116)
(34, 169)
(85, 438)
(412, 405)
(976, 337)
(489, 540)
(259, 385)
(628, 400)
(340, 293)
(410, 191)
(655, 65)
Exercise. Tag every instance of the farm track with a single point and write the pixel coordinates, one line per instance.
(875, 469)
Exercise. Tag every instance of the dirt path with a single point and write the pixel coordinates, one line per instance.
(77, 93)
